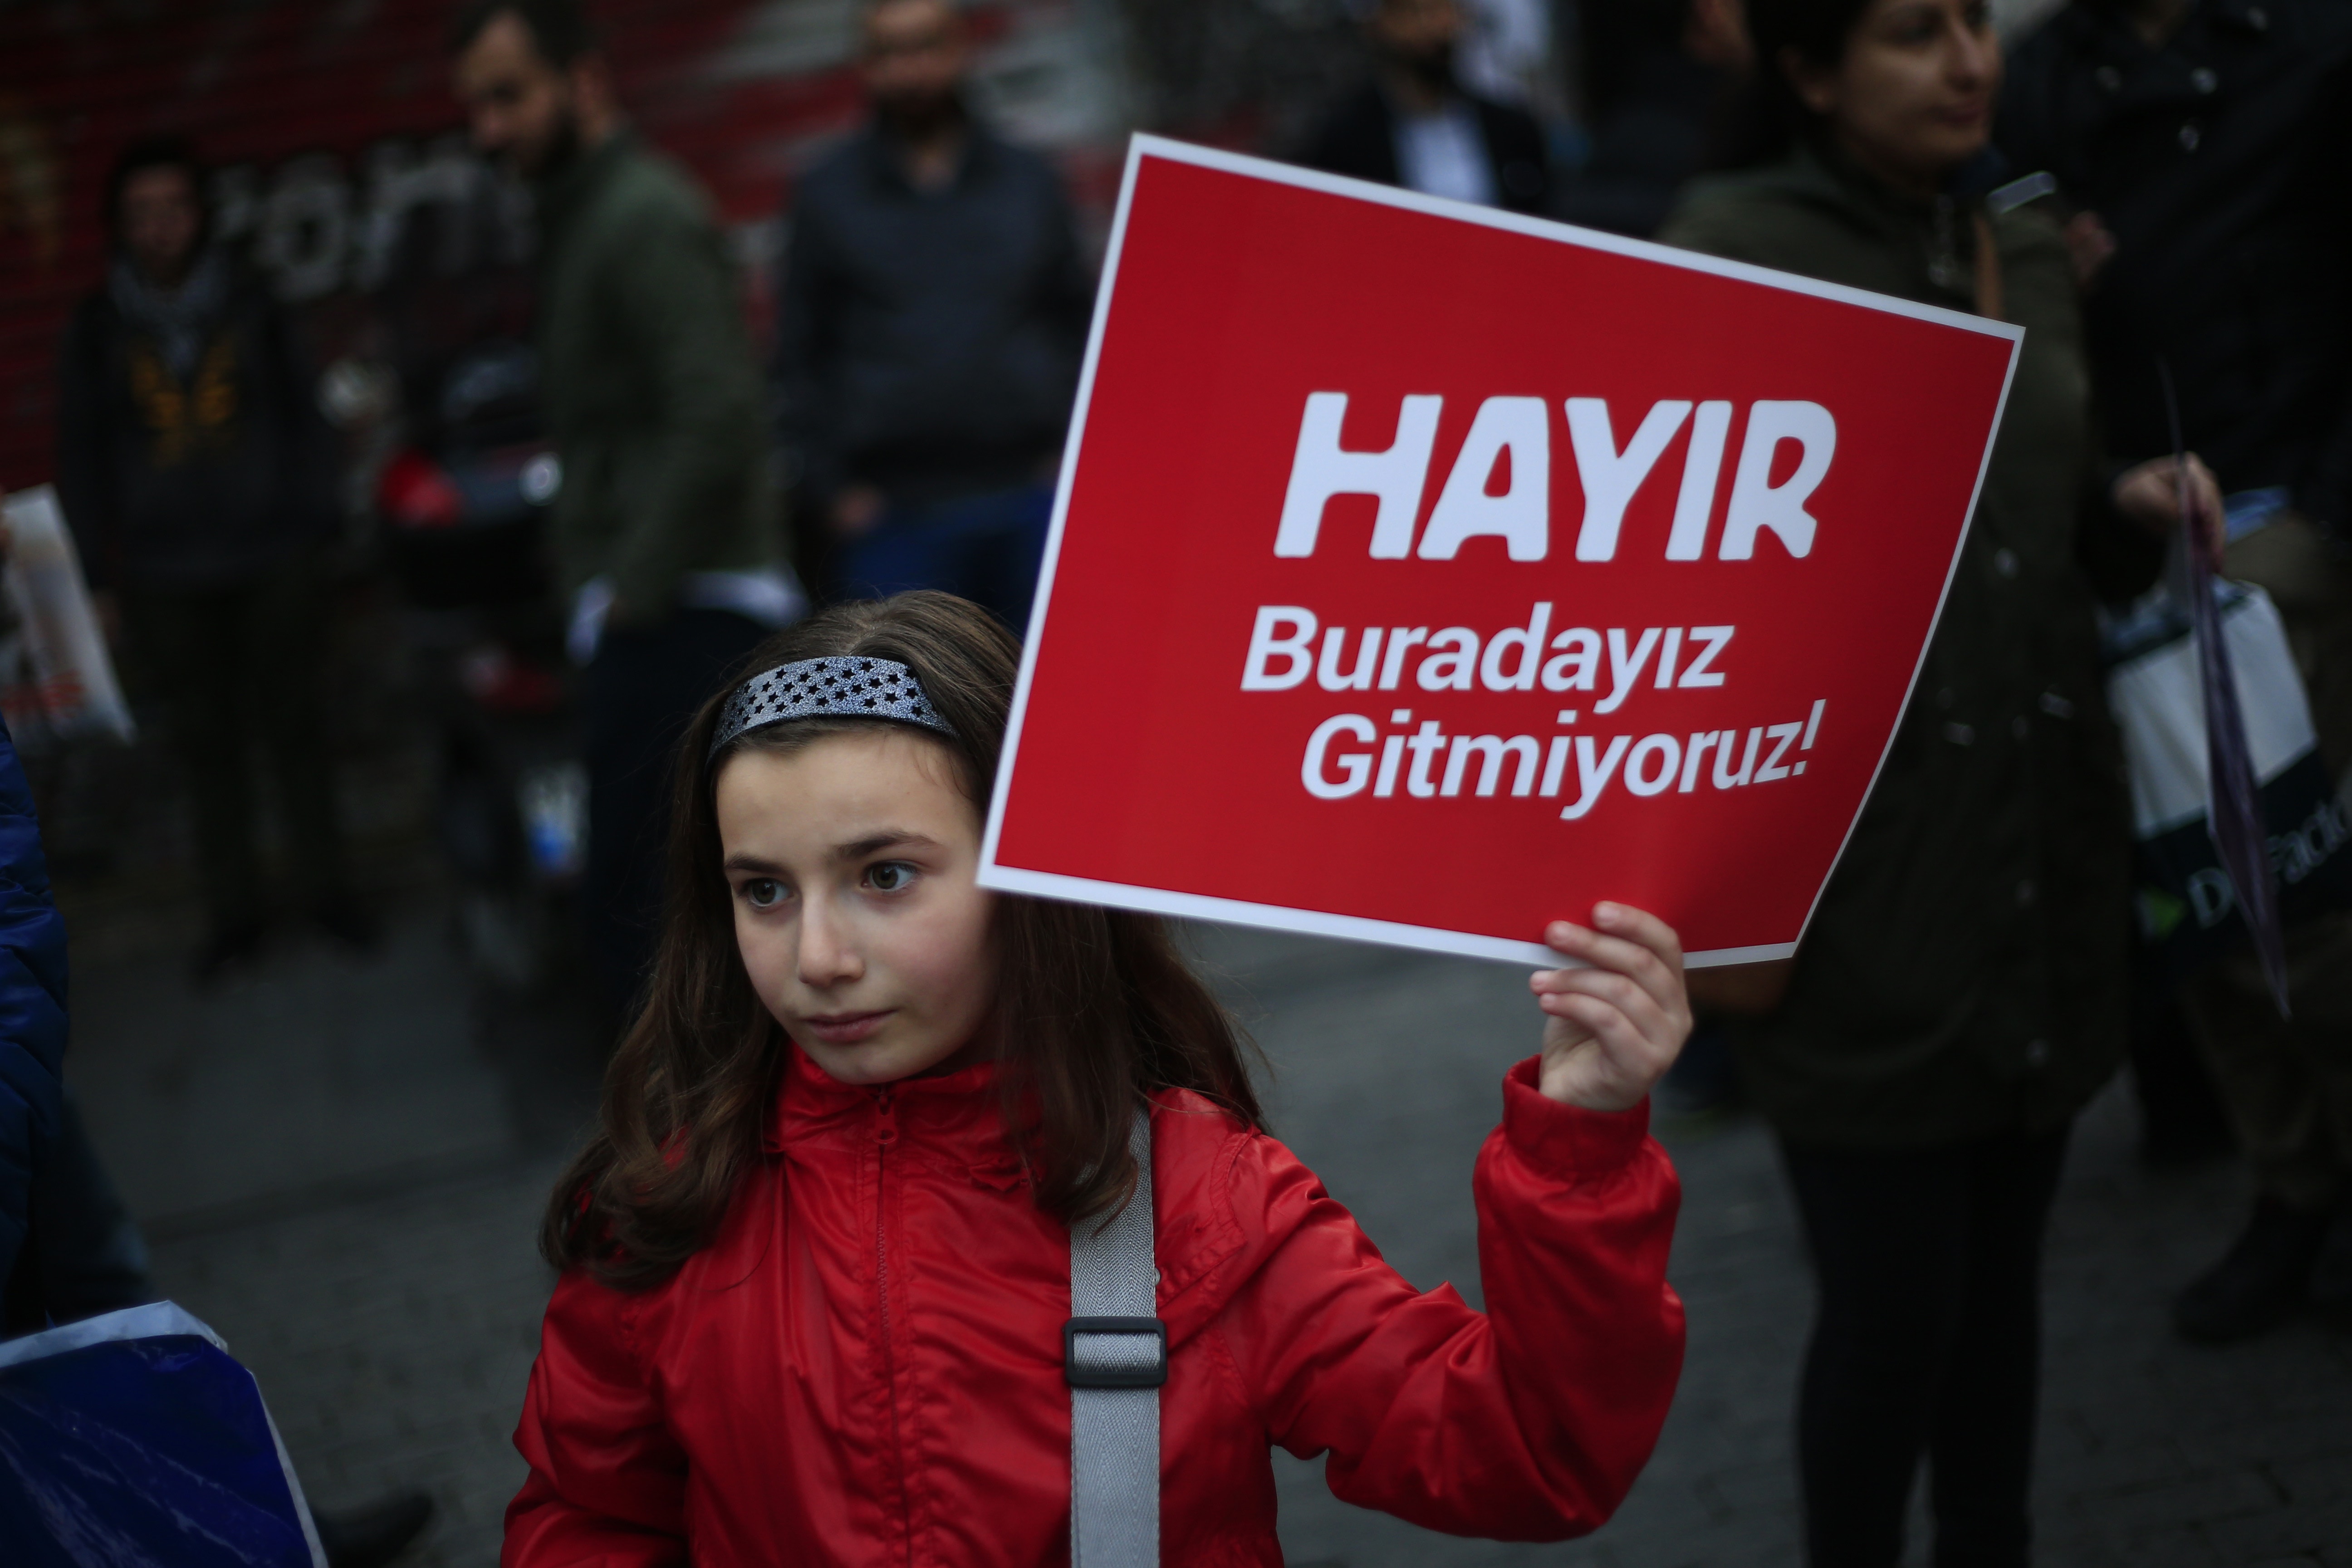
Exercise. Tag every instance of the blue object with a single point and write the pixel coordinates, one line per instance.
(32, 1004)
(134, 1440)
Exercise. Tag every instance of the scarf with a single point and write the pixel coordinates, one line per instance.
(179, 320)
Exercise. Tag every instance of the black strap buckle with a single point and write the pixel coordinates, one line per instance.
(1094, 1373)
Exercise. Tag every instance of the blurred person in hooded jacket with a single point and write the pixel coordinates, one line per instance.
(1959, 994)
(198, 477)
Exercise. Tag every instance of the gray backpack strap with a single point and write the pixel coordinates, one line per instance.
(1115, 1357)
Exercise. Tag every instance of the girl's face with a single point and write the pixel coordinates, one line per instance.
(851, 862)
(1912, 100)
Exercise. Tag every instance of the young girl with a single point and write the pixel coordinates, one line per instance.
(876, 1133)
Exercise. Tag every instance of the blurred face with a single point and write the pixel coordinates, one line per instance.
(520, 106)
(1912, 100)
(1418, 32)
(851, 863)
(914, 58)
(160, 219)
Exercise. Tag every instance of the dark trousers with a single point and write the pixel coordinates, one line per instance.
(235, 665)
(2287, 1082)
(642, 691)
(984, 548)
(1927, 1343)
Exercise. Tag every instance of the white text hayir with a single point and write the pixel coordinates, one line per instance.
(1516, 432)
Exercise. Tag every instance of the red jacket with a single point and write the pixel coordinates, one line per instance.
(865, 1366)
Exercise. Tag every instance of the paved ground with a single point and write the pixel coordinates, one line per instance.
(2153, 1454)
(342, 1164)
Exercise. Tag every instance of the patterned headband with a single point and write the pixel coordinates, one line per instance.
(845, 687)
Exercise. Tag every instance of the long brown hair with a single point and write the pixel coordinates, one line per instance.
(1096, 1007)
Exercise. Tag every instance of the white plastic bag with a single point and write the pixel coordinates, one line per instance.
(56, 680)
(2186, 903)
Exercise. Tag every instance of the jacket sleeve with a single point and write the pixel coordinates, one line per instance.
(1527, 1422)
(607, 1483)
(676, 291)
(32, 1004)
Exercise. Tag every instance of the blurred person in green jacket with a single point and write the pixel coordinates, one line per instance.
(1959, 994)
(666, 533)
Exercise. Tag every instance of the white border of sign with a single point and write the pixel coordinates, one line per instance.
(1313, 922)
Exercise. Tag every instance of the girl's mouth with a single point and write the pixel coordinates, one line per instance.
(847, 1028)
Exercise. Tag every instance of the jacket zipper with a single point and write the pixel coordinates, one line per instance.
(886, 1137)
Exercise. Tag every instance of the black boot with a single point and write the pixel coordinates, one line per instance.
(2259, 1283)
(373, 1536)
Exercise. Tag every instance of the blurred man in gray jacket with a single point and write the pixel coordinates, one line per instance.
(933, 315)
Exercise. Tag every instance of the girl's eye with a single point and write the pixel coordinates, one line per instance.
(1913, 26)
(764, 892)
(890, 877)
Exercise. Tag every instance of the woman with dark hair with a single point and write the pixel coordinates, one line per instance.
(1959, 994)
(929, 1225)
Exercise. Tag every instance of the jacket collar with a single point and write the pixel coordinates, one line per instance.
(562, 194)
(1936, 232)
(955, 1119)
(1821, 174)
(884, 168)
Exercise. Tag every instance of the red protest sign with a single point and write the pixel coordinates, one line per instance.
(1424, 574)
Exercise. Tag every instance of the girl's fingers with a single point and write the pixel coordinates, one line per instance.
(1640, 946)
(1634, 1053)
(1618, 933)
(1642, 926)
(1611, 955)
(1619, 990)
(1625, 1003)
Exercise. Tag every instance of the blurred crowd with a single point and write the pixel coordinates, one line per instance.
(2159, 191)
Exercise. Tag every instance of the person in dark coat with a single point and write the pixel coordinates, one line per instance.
(1415, 125)
(32, 1021)
(2208, 144)
(934, 308)
(199, 478)
(1958, 995)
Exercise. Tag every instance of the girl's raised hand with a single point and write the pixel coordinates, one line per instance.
(1611, 1031)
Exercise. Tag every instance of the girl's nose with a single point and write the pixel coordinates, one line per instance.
(826, 956)
(1976, 54)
